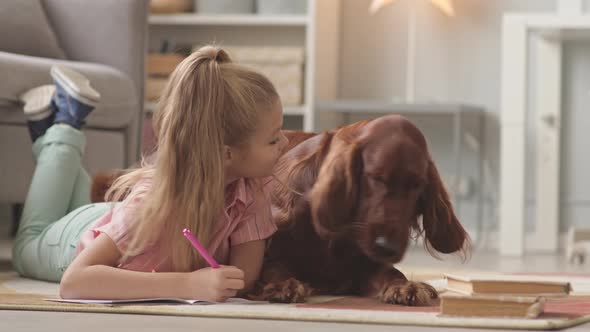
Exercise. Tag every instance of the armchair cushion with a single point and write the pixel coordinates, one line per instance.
(25, 29)
(118, 104)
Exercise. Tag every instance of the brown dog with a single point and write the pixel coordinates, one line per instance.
(350, 201)
(363, 190)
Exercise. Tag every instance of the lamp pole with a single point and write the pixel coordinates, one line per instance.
(445, 6)
(411, 54)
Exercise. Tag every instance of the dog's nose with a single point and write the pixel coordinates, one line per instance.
(384, 247)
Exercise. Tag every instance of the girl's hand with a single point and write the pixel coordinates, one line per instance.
(217, 285)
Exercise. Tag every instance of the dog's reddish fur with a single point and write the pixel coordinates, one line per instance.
(363, 188)
(367, 181)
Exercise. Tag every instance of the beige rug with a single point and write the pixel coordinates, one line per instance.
(24, 294)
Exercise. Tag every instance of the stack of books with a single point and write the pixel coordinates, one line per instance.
(499, 295)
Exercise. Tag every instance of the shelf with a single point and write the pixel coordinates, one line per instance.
(229, 20)
(294, 110)
(555, 26)
(150, 107)
(380, 106)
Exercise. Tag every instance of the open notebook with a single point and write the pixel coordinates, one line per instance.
(163, 300)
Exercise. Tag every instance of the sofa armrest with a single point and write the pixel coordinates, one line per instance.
(110, 32)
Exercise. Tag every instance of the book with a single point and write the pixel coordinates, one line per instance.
(491, 306)
(579, 283)
(160, 300)
(506, 284)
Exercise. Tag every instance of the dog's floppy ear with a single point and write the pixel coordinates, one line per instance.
(443, 231)
(334, 197)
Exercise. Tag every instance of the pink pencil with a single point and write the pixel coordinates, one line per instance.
(187, 233)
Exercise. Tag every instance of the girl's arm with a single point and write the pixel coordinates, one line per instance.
(92, 275)
(248, 257)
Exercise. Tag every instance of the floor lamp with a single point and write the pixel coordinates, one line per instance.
(445, 6)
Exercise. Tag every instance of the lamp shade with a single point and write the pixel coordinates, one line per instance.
(446, 6)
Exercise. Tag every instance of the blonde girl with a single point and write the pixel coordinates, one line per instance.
(218, 130)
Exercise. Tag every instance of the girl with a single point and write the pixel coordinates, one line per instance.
(218, 132)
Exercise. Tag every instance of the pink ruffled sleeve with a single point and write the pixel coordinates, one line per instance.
(257, 223)
(120, 217)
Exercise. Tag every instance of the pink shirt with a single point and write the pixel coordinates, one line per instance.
(244, 218)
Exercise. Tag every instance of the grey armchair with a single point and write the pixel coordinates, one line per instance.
(106, 41)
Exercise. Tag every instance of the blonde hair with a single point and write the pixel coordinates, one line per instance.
(208, 102)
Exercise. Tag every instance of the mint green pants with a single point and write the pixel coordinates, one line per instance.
(57, 209)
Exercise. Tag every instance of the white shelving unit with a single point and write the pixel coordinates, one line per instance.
(229, 20)
(534, 43)
(316, 31)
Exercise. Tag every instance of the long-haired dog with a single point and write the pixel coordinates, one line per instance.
(346, 203)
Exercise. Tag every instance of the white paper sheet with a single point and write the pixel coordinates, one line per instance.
(158, 301)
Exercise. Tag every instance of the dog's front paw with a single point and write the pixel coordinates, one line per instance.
(409, 293)
(286, 291)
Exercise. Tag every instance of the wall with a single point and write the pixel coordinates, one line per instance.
(458, 60)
